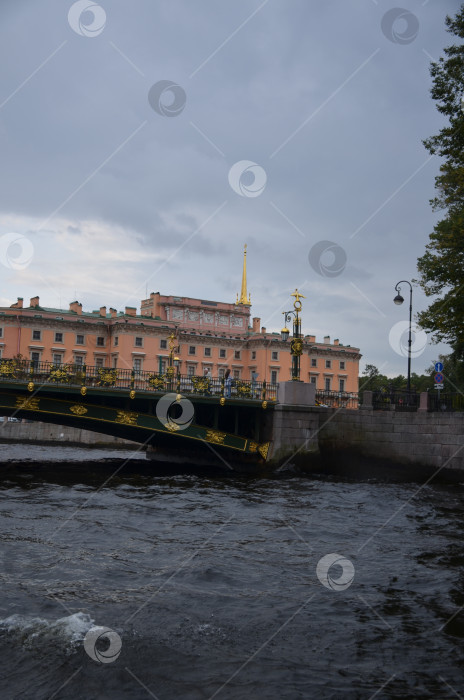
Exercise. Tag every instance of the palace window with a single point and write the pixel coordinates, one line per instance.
(99, 362)
(328, 364)
(342, 365)
(327, 384)
(100, 340)
(138, 342)
(274, 355)
(342, 385)
(115, 362)
(79, 339)
(78, 360)
(1, 332)
(313, 362)
(192, 350)
(137, 364)
(274, 376)
(313, 380)
(58, 337)
(36, 335)
(237, 354)
(222, 353)
(35, 358)
(236, 374)
(253, 354)
(207, 352)
(191, 370)
(57, 359)
(163, 344)
(221, 372)
(162, 366)
(116, 340)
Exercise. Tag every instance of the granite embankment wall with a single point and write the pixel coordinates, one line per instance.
(423, 440)
(47, 433)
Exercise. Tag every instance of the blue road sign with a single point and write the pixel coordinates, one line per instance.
(439, 378)
(438, 366)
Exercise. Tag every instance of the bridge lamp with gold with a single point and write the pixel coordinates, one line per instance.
(296, 345)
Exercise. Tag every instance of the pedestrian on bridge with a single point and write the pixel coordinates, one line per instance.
(227, 384)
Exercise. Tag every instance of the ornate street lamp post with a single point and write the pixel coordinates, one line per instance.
(296, 345)
(399, 300)
(174, 361)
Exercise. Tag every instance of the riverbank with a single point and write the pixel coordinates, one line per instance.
(38, 433)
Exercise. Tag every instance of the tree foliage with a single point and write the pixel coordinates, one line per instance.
(441, 268)
(372, 380)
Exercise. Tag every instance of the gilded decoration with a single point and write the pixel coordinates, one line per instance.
(8, 369)
(30, 386)
(83, 390)
(170, 372)
(243, 389)
(107, 377)
(222, 401)
(127, 417)
(78, 409)
(132, 394)
(60, 374)
(172, 426)
(297, 346)
(201, 385)
(27, 404)
(264, 404)
(264, 449)
(215, 436)
(156, 381)
(253, 446)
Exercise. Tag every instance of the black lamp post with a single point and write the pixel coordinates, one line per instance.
(399, 300)
(296, 346)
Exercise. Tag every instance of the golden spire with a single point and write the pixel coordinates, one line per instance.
(243, 294)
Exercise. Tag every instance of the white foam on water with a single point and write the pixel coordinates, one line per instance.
(31, 631)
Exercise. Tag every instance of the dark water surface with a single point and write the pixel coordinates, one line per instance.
(211, 585)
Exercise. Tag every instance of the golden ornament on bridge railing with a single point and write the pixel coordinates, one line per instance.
(8, 369)
(156, 381)
(107, 377)
(60, 374)
(243, 389)
(201, 385)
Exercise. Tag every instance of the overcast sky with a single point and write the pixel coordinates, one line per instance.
(122, 186)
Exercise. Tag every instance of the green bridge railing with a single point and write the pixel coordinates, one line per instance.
(22, 370)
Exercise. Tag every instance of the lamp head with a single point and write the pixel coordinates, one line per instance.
(284, 333)
(398, 299)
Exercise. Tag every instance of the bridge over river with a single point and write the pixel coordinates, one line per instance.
(179, 418)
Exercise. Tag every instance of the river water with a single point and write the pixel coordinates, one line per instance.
(209, 587)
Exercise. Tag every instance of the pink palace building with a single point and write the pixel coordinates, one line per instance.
(210, 335)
